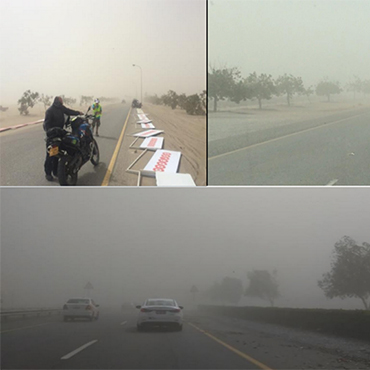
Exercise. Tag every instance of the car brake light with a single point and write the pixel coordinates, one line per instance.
(176, 310)
(65, 307)
(88, 307)
(145, 310)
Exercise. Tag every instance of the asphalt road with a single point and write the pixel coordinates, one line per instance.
(22, 153)
(328, 151)
(113, 342)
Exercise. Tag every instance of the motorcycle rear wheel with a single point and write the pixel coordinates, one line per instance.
(65, 172)
(96, 154)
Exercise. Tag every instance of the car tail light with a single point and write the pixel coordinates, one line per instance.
(145, 310)
(175, 310)
(88, 307)
(65, 307)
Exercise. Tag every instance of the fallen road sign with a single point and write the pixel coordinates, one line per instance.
(162, 161)
(147, 125)
(174, 179)
(152, 143)
(148, 133)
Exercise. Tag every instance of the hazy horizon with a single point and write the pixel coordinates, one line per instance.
(88, 47)
(134, 243)
(307, 38)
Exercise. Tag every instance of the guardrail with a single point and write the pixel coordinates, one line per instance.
(31, 312)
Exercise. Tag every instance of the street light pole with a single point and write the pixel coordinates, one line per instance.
(141, 80)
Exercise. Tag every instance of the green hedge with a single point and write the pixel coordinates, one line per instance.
(347, 323)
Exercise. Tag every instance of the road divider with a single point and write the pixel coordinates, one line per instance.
(21, 125)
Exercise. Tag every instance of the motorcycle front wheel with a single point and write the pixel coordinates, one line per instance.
(65, 172)
(95, 157)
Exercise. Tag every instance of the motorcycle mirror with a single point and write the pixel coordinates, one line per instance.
(88, 110)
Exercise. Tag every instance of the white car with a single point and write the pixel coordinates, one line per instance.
(80, 308)
(160, 311)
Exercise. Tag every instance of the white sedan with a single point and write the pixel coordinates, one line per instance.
(160, 311)
(80, 308)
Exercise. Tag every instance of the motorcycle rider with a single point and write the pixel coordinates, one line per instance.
(97, 114)
(54, 117)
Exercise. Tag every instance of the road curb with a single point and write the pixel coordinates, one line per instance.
(21, 125)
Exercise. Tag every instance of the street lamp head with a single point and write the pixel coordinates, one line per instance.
(133, 65)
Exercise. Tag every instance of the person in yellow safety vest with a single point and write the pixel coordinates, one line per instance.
(97, 114)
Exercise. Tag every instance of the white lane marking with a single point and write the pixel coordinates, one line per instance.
(69, 355)
(123, 323)
(332, 182)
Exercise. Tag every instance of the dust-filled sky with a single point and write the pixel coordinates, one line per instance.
(133, 243)
(88, 47)
(313, 39)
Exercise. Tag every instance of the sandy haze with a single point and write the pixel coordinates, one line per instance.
(87, 47)
(312, 39)
(134, 243)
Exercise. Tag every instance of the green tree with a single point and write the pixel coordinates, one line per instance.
(194, 105)
(182, 100)
(327, 88)
(261, 87)
(46, 100)
(28, 100)
(86, 99)
(355, 86)
(308, 92)
(289, 85)
(350, 272)
(68, 100)
(221, 84)
(263, 285)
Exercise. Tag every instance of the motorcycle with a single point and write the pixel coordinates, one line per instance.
(73, 147)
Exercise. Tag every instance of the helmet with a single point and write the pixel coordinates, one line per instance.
(97, 101)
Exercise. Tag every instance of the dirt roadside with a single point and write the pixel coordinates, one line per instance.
(182, 132)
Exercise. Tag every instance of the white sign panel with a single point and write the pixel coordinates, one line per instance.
(148, 121)
(164, 161)
(152, 143)
(143, 117)
(174, 179)
(139, 110)
(147, 125)
(148, 133)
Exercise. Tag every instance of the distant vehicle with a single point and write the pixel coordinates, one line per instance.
(160, 312)
(80, 308)
(136, 104)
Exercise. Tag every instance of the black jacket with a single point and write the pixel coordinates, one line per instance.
(54, 116)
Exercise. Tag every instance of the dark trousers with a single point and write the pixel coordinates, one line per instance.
(51, 165)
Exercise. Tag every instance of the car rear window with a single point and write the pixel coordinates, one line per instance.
(79, 300)
(160, 302)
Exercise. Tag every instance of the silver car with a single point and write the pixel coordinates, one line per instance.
(80, 308)
(160, 312)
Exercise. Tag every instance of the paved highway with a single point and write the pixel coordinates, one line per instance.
(22, 153)
(329, 151)
(206, 342)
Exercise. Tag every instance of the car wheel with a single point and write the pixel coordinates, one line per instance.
(97, 316)
(179, 328)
